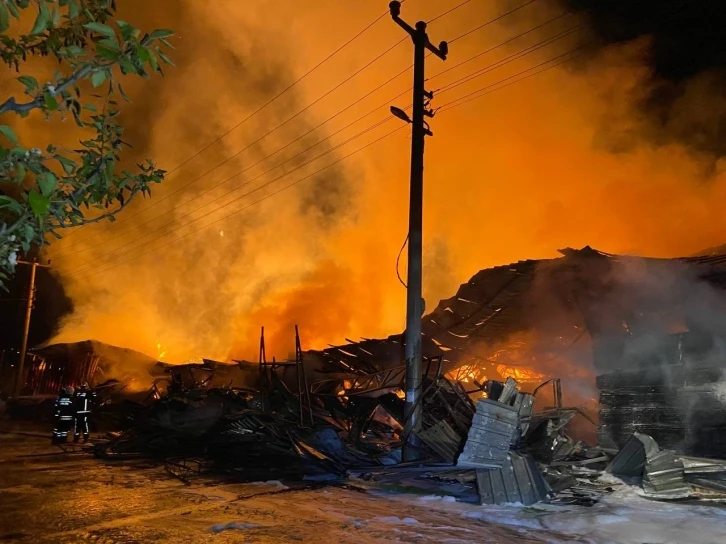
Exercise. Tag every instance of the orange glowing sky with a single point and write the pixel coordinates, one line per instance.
(514, 175)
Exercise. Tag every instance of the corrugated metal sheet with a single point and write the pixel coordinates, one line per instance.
(442, 439)
(492, 429)
(664, 476)
(631, 459)
(517, 481)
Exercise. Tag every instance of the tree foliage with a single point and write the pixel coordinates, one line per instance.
(45, 191)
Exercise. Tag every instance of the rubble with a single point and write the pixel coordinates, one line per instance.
(494, 443)
(492, 431)
(489, 445)
(517, 481)
(631, 459)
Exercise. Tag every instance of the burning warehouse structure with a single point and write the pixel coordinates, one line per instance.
(649, 332)
(646, 332)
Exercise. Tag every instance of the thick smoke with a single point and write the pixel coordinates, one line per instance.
(513, 175)
(214, 277)
(685, 55)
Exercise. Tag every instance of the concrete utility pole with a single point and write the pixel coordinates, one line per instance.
(26, 328)
(414, 300)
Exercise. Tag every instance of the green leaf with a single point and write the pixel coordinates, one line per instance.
(13, 9)
(143, 53)
(50, 102)
(74, 51)
(109, 171)
(30, 82)
(98, 78)
(128, 31)
(56, 17)
(68, 165)
(164, 57)
(47, 183)
(100, 28)
(161, 33)
(14, 205)
(90, 107)
(73, 9)
(29, 232)
(38, 203)
(4, 18)
(111, 43)
(42, 21)
(106, 52)
(19, 173)
(153, 62)
(127, 67)
(9, 133)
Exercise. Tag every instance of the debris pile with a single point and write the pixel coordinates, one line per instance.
(492, 444)
(664, 474)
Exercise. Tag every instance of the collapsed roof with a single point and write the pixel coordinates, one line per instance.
(583, 291)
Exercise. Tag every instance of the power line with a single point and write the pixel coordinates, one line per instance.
(273, 99)
(445, 107)
(253, 203)
(466, 61)
(260, 161)
(285, 122)
(160, 235)
(489, 68)
(449, 105)
(444, 14)
(258, 140)
(492, 21)
(506, 60)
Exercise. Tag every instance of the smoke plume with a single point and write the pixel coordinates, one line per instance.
(684, 54)
(515, 174)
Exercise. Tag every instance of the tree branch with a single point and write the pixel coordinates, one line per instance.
(11, 105)
(102, 217)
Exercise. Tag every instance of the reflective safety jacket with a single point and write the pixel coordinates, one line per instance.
(83, 402)
(64, 407)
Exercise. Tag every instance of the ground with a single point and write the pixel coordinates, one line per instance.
(49, 496)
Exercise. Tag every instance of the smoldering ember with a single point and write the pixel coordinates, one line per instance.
(231, 309)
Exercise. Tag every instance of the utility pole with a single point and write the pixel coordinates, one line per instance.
(414, 300)
(26, 328)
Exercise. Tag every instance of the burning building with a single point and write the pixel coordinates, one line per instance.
(647, 332)
(639, 340)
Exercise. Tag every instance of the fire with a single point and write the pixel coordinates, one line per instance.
(520, 374)
(319, 254)
(467, 374)
(160, 351)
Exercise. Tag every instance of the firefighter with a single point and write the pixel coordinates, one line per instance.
(64, 414)
(82, 402)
